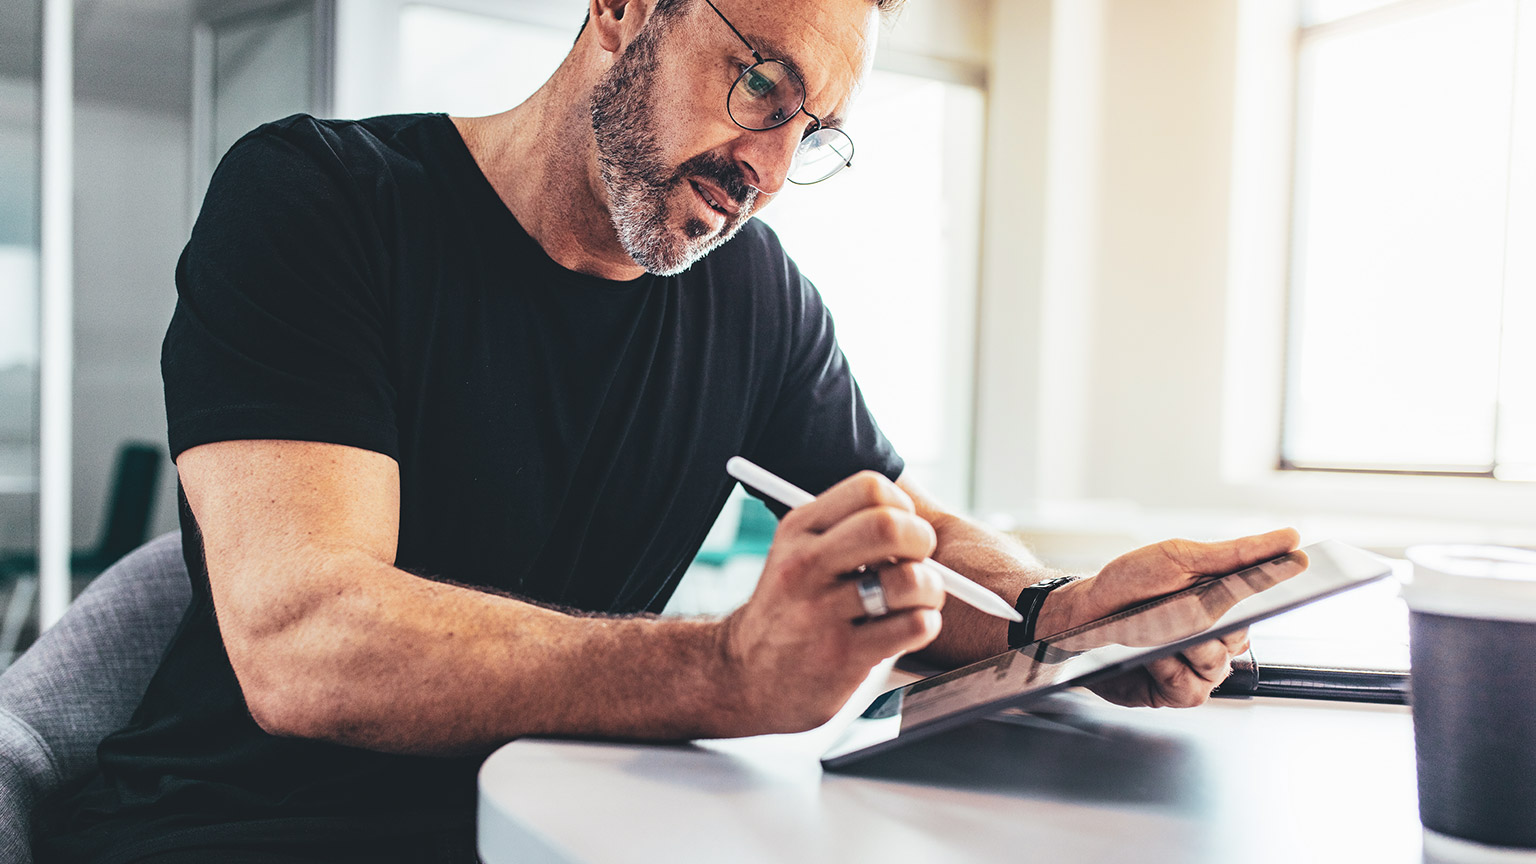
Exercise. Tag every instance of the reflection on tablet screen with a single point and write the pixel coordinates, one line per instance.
(1117, 643)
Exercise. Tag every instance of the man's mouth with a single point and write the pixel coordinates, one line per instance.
(715, 198)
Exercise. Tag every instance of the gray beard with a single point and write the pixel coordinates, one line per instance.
(638, 183)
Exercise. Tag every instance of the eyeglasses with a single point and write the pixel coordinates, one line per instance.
(769, 94)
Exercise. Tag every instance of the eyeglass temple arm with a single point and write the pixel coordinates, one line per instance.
(755, 56)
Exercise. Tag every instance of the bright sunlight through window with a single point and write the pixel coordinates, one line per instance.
(1413, 309)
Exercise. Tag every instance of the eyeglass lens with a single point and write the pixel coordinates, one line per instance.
(820, 155)
(765, 96)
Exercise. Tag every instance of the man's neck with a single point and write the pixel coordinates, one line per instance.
(540, 158)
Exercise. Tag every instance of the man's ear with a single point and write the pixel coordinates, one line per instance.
(615, 22)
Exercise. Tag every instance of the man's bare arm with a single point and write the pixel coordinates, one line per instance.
(988, 556)
(330, 641)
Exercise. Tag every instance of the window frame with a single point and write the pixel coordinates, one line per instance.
(1382, 15)
(1261, 226)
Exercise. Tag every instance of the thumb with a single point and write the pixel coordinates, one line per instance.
(1229, 556)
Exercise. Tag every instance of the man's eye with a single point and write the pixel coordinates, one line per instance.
(759, 84)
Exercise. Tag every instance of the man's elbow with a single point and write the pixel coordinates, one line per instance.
(284, 667)
(275, 636)
(274, 717)
(275, 696)
(312, 705)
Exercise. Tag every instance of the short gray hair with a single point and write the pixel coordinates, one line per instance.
(888, 8)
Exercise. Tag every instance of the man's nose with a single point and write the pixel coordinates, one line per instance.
(766, 156)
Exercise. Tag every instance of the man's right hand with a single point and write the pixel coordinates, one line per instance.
(802, 644)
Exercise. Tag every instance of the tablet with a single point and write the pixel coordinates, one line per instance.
(1104, 648)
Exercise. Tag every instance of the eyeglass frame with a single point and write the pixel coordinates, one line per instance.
(759, 60)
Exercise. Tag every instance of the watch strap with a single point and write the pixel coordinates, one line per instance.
(1031, 600)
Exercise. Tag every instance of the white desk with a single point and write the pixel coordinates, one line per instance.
(1265, 780)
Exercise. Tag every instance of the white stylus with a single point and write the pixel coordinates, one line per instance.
(793, 496)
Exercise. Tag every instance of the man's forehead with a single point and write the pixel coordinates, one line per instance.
(829, 43)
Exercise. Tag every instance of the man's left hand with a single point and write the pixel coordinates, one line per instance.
(1186, 679)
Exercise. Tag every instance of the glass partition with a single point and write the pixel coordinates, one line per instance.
(265, 61)
(20, 76)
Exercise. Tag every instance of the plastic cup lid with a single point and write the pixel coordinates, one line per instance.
(1488, 582)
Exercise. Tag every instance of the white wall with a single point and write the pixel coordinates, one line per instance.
(1157, 324)
(1009, 371)
(947, 39)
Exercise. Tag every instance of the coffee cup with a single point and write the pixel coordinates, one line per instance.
(1473, 646)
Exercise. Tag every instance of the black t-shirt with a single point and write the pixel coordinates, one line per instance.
(559, 436)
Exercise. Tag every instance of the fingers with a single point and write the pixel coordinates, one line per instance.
(1134, 689)
(1229, 556)
(865, 519)
(1187, 679)
(897, 633)
(868, 536)
(861, 491)
(1236, 641)
(1209, 661)
(1172, 684)
(906, 586)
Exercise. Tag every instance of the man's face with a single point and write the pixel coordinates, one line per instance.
(680, 176)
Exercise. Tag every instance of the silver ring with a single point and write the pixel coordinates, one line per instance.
(872, 595)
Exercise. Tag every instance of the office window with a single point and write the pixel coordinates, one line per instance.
(892, 244)
(1413, 304)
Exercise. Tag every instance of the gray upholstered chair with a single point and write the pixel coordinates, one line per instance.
(83, 679)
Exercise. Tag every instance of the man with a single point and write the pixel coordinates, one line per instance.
(451, 401)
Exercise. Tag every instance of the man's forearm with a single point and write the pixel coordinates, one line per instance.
(995, 560)
(388, 661)
(329, 641)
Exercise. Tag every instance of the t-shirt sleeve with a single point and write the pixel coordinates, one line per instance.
(280, 323)
(820, 431)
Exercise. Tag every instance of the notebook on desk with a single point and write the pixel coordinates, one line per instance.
(1314, 670)
(1352, 648)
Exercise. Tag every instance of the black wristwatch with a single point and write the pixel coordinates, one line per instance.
(1031, 599)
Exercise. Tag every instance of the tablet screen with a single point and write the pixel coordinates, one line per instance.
(1105, 647)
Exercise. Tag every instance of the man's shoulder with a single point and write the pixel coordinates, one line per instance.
(361, 146)
(339, 172)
